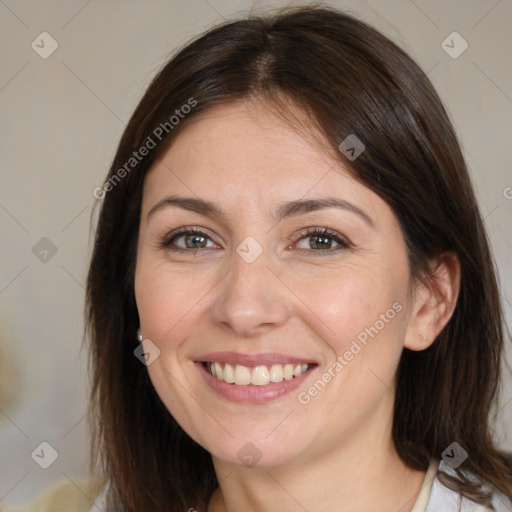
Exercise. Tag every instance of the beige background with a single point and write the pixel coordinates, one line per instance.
(61, 119)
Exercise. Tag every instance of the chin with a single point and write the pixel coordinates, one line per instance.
(257, 452)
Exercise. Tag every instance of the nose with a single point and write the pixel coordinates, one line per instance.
(251, 298)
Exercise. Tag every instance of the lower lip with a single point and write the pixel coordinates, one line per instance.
(251, 393)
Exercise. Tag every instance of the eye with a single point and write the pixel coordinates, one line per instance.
(321, 240)
(192, 239)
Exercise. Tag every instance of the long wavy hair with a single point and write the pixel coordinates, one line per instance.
(349, 79)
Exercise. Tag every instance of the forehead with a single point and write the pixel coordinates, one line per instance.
(245, 153)
(246, 134)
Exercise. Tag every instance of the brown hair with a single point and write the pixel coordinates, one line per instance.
(349, 79)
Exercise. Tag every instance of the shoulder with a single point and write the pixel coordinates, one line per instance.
(69, 496)
(448, 500)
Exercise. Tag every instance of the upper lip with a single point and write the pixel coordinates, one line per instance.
(264, 359)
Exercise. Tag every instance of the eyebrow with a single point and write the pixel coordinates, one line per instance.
(288, 209)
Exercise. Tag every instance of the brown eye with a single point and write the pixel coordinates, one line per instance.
(321, 241)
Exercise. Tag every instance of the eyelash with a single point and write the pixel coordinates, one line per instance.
(168, 240)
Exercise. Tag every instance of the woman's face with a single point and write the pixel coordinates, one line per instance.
(256, 288)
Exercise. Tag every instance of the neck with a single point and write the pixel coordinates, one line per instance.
(363, 472)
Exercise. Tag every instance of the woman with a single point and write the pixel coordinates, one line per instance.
(291, 301)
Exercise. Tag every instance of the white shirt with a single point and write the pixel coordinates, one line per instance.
(433, 496)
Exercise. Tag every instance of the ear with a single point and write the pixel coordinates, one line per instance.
(433, 302)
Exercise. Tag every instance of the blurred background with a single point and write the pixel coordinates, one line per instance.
(72, 72)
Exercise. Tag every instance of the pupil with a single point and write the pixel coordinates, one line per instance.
(323, 239)
(194, 239)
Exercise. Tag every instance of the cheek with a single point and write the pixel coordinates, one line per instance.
(166, 300)
(359, 317)
(347, 305)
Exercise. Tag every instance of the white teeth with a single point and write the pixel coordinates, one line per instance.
(242, 375)
(258, 376)
(276, 373)
(229, 374)
(218, 371)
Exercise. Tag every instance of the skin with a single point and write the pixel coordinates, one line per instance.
(337, 449)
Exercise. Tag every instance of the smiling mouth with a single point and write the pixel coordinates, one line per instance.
(240, 375)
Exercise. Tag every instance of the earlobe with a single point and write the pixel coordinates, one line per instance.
(434, 302)
(424, 340)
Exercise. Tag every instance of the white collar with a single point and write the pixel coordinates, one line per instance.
(433, 496)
